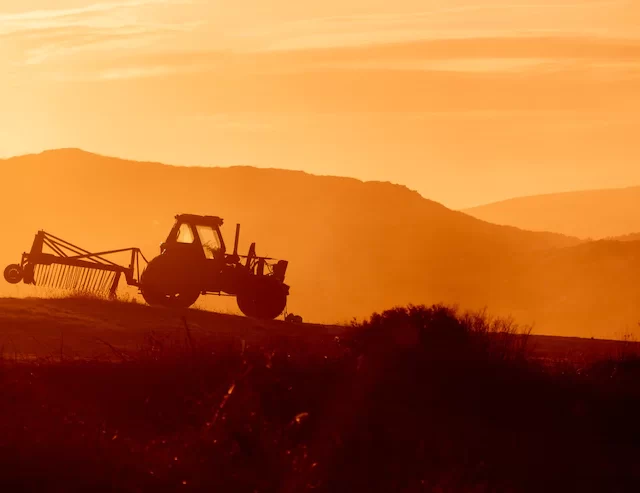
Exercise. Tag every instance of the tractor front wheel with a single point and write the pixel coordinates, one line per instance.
(264, 301)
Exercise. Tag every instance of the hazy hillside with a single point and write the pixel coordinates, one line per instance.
(629, 237)
(354, 247)
(586, 214)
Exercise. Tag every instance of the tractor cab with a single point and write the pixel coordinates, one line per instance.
(198, 235)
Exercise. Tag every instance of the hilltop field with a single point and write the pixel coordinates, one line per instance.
(83, 327)
(110, 396)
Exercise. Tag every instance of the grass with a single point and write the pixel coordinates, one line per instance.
(413, 399)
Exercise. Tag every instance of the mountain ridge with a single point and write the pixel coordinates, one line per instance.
(76, 152)
(354, 247)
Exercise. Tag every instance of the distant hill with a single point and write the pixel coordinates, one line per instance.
(629, 237)
(354, 247)
(595, 214)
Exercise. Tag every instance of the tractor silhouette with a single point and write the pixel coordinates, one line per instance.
(193, 261)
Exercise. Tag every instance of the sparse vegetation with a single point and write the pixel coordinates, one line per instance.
(413, 399)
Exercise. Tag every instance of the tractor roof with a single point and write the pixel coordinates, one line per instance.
(203, 220)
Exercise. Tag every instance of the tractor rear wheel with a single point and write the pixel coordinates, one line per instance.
(264, 301)
(180, 299)
(170, 283)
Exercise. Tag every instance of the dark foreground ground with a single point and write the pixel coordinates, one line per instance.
(99, 396)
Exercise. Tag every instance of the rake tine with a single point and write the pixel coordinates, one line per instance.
(47, 274)
(85, 280)
(96, 279)
(96, 282)
(108, 282)
(74, 277)
(63, 277)
(65, 280)
(92, 279)
(71, 276)
(68, 276)
(71, 279)
(104, 278)
(77, 280)
(98, 286)
(114, 286)
(103, 275)
(81, 277)
(59, 276)
(89, 280)
(101, 287)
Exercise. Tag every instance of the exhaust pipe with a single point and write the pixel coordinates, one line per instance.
(235, 246)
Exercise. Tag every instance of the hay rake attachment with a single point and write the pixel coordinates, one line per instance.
(56, 263)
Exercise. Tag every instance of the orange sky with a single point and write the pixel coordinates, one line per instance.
(466, 101)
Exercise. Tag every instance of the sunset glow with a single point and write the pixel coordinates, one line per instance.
(340, 246)
(465, 101)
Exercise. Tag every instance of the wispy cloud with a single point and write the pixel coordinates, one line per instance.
(469, 54)
(40, 35)
(128, 39)
(468, 20)
(94, 14)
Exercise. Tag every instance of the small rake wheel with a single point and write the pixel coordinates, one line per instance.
(13, 274)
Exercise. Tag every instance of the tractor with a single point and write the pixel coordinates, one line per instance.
(193, 261)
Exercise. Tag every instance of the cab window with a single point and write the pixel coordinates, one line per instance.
(210, 240)
(185, 235)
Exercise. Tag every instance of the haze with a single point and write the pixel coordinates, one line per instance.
(467, 102)
(354, 247)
